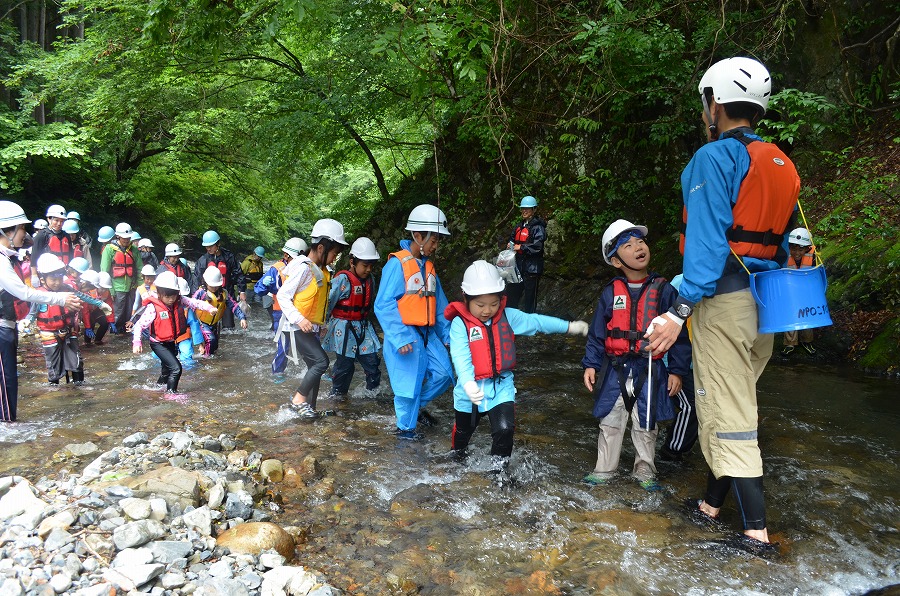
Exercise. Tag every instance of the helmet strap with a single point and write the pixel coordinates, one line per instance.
(713, 124)
(422, 244)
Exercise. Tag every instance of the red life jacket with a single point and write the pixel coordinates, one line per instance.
(493, 346)
(355, 307)
(111, 317)
(169, 323)
(54, 318)
(521, 234)
(61, 246)
(78, 251)
(123, 262)
(11, 308)
(764, 204)
(630, 318)
(177, 269)
(223, 268)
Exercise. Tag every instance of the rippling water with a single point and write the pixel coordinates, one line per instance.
(396, 517)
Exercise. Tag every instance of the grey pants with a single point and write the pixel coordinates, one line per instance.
(62, 356)
(609, 443)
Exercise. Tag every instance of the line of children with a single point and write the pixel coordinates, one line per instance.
(616, 367)
(350, 335)
(166, 322)
(304, 300)
(415, 338)
(482, 345)
(211, 291)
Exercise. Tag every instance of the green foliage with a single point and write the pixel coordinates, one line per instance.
(802, 115)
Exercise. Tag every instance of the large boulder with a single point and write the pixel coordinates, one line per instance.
(175, 485)
(252, 538)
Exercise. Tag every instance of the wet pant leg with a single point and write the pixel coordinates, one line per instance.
(371, 364)
(503, 424)
(529, 293)
(514, 294)
(227, 321)
(748, 493)
(53, 356)
(122, 303)
(167, 352)
(71, 356)
(316, 362)
(682, 433)
(644, 448)
(279, 363)
(463, 428)
(9, 377)
(101, 326)
(437, 377)
(609, 441)
(341, 374)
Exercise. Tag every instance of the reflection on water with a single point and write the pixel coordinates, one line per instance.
(388, 516)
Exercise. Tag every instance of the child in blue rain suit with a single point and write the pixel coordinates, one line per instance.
(415, 338)
(616, 365)
(483, 349)
(350, 334)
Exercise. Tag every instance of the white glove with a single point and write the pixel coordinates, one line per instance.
(661, 320)
(578, 328)
(473, 391)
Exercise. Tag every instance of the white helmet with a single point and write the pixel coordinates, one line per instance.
(12, 215)
(364, 250)
(172, 249)
(427, 218)
(56, 211)
(168, 281)
(800, 236)
(328, 228)
(40, 224)
(482, 278)
(104, 280)
(212, 276)
(49, 263)
(295, 246)
(145, 243)
(738, 79)
(123, 230)
(612, 233)
(148, 270)
(183, 288)
(90, 276)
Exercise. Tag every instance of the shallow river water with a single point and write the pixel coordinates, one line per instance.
(396, 517)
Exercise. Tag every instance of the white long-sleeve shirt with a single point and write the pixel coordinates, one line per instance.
(298, 275)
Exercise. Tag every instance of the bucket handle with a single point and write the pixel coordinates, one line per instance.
(754, 292)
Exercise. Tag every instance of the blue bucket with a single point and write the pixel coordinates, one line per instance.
(790, 299)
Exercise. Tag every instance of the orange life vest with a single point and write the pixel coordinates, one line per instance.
(169, 323)
(630, 318)
(54, 318)
(807, 260)
(279, 266)
(357, 305)
(123, 262)
(61, 246)
(521, 234)
(177, 268)
(111, 317)
(764, 204)
(493, 347)
(418, 304)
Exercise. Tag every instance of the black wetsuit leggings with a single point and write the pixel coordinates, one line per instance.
(503, 422)
(167, 352)
(749, 495)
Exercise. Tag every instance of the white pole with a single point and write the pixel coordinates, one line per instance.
(649, 384)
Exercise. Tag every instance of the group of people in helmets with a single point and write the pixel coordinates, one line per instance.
(739, 194)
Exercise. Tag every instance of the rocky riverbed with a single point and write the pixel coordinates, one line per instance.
(175, 514)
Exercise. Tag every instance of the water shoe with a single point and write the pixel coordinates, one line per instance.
(651, 485)
(593, 479)
(304, 410)
(811, 349)
(408, 435)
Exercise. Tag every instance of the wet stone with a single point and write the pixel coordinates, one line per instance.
(139, 438)
(239, 504)
(57, 538)
(135, 508)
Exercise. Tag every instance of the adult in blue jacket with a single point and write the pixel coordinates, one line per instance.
(736, 221)
(407, 306)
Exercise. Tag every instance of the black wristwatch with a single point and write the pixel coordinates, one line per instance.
(683, 310)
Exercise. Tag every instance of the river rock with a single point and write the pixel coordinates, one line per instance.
(60, 582)
(167, 551)
(199, 519)
(159, 509)
(62, 520)
(137, 533)
(272, 470)
(81, 449)
(18, 500)
(239, 504)
(10, 586)
(216, 495)
(135, 508)
(136, 439)
(56, 539)
(175, 485)
(254, 537)
(97, 590)
(133, 556)
(294, 581)
(271, 560)
(237, 458)
(220, 586)
(181, 441)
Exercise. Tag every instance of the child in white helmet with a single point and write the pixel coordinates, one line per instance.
(616, 367)
(96, 321)
(58, 326)
(303, 298)
(165, 320)
(212, 292)
(802, 255)
(350, 334)
(483, 349)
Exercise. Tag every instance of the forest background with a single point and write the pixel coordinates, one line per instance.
(258, 117)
